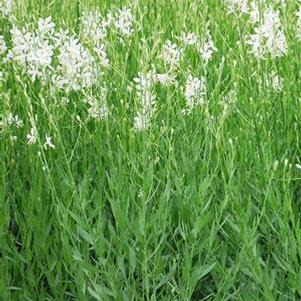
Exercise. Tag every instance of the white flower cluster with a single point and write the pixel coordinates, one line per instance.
(94, 31)
(6, 7)
(123, 21)
(48, 142)
(32, 139)
(98, 108)
(189, 38)
(268, 38)
(171, 54)
(76, 69)
(166, 79)
(144, 85)
(14, 120)
(251, 8)
(254, 12)
(102, 55)
(3, 46)
(237, 6)
(195, 92)
(32, 136)
(276, 82)
(204, 45)
(60, 59)
(33, 50)
(207, 48)
(93, 28)
(298, 14)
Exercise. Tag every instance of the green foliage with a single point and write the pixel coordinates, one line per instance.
(204, 206)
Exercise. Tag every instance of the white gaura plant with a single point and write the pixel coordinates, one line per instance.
(237, 6)
(204, 44)
(189, 38)
(206, 47)
(275, 82)
(171, 57)
(33, 50)
(32, 136)
(171, 54)
(102, 56)
(6, 8)
(94, 30)
(194, 92)
(93, 27)
(14, 120)
(268, 38)
(144, 86)
(98, 107)
(48, 142)
(76, 67)
(254, 13)
(166, 79)
(3, 46)
(123, 21)
(298, 14)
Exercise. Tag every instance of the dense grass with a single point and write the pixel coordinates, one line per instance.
(198, 207)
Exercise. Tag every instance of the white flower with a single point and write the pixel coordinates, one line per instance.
(45, 26)
(6, 7)
(206, 46)
(32, 136)
(123, 21)
(171, 54)
(237, 6)
(98, 107)
(268, 38)
(298, 14)
(61, 37)
(275, 38)
(102, 55)
(189, 39)
(166, 79)
(256, 41)
(76, 67)
(276, 82)
(195, 91)
(254, 12)
(206, 50)
(141, 122)
(14, 120)
(33, 50)
(3, 46)
(18, 122)
(93, 28)
(48, 143)
(10, 119)
(98, 111)
(144, 84)
(13, 138)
